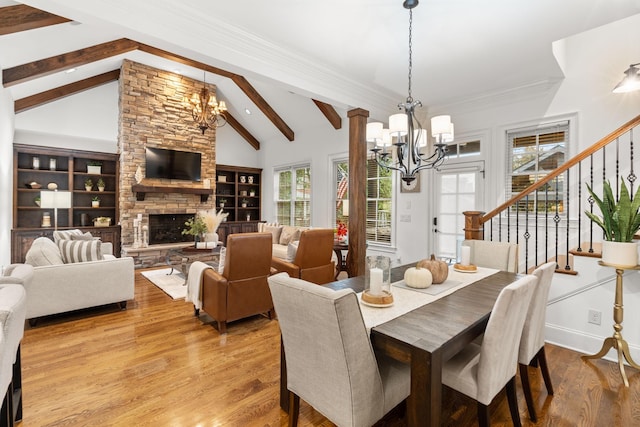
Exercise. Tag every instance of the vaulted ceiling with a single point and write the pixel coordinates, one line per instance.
(339, 53)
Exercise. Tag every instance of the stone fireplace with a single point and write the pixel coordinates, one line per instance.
(151, 115)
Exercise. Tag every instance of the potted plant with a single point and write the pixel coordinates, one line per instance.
(196, 227)
(101, 184)
(88, 184)
(620, 221)
(222, 202)
(244, 203)
(94, 167)
(37, 200)
(95, 202)
(252, 193)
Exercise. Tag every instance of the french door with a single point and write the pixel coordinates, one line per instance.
(459, 188)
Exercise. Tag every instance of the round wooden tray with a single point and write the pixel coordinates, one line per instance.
(382, 300)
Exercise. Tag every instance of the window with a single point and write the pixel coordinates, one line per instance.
(532, 154)
(379, 200)
(293, 195)
(463, 149)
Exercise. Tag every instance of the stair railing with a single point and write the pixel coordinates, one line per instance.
(511, 219)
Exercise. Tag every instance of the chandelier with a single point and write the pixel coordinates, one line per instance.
(406, 134)
(207, 112)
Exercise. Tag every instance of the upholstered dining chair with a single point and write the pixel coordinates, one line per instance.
(13, 311)
(312, 261)
(481, 371)
(499, 255)
(330, 362)
(241, 289)
(532, 342)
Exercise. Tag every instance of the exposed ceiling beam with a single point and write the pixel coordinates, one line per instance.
(21, 17)
(41, 98)
(242, 131)
(65, 61)
(330, 113)
(253, 94)
(242, 83)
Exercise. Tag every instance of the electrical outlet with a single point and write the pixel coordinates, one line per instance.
(595, 317)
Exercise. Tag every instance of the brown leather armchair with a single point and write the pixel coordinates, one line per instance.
(242, 289)
(313, 258)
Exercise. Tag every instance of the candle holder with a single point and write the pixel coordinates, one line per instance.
(377, 281)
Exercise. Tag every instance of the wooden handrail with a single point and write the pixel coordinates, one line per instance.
(567, 165)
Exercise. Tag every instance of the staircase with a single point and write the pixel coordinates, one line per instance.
(563, 232)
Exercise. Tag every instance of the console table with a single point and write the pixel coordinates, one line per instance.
(616, 341)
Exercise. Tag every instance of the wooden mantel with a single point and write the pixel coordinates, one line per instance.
(142, 190)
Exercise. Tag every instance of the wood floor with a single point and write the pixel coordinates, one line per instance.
(155, 364)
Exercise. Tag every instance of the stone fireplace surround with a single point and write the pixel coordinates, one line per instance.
(151, 114)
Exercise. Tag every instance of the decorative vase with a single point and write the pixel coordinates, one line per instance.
(95, 204)
(621, 254)
(138, 175)
(86, 187)
(100, 188)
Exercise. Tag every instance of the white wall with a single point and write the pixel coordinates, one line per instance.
(6, 174)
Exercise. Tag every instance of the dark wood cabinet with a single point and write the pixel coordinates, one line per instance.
(21, 239)
(227, 228)
(38, 169)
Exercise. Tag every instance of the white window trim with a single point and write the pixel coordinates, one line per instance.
(290, 167)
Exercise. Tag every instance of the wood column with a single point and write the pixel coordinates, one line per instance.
(473, 228)
(357, 191)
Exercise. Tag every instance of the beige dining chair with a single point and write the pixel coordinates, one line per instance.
(481, 371)
(330, 362)
(532, 342)
(498, 255)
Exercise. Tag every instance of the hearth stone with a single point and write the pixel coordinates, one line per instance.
(167, 228)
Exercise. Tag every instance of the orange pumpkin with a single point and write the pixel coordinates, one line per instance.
(439, 269)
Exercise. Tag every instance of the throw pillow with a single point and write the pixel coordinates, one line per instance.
(275, 231)
(80, 250)
(65, 234)
(287, 235)
(85, 236)
(292, 249)
(43, 252)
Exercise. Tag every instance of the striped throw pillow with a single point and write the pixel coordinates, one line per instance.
(65, 234)
(80, 250)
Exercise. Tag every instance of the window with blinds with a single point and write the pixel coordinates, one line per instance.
(293, 195)
(379, 226)
(532, 154)
(379, 198)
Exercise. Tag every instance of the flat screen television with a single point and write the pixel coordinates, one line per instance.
(172, 164)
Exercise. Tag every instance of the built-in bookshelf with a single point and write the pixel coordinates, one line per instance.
(238, 192)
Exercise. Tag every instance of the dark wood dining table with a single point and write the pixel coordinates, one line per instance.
(427, 337)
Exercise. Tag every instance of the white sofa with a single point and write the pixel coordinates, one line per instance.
(285, 239)
(58, 286)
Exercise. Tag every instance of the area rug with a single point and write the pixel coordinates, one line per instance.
(172, 284)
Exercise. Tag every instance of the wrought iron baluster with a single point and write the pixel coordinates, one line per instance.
(556, 218)
(500, 227)
(632, 176)
(526, 234)
(517, 221)
(508, 226)
(617, 168)
(535, 203)
(546, 222)
(579, 249)
(591, 202)
(566, 213)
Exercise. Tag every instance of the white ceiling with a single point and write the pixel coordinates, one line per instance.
(350, 53)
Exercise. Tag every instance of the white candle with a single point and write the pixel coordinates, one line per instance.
(375, 281)
(465, 255)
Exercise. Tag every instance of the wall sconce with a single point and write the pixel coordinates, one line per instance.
(631, 81)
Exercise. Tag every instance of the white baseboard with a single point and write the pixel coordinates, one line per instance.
(584, 343)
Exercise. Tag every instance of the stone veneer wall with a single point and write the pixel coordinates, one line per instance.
(151, 114)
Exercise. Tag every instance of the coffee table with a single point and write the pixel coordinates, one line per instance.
(188, 255)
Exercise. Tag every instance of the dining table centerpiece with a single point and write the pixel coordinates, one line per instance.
(620, 221)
